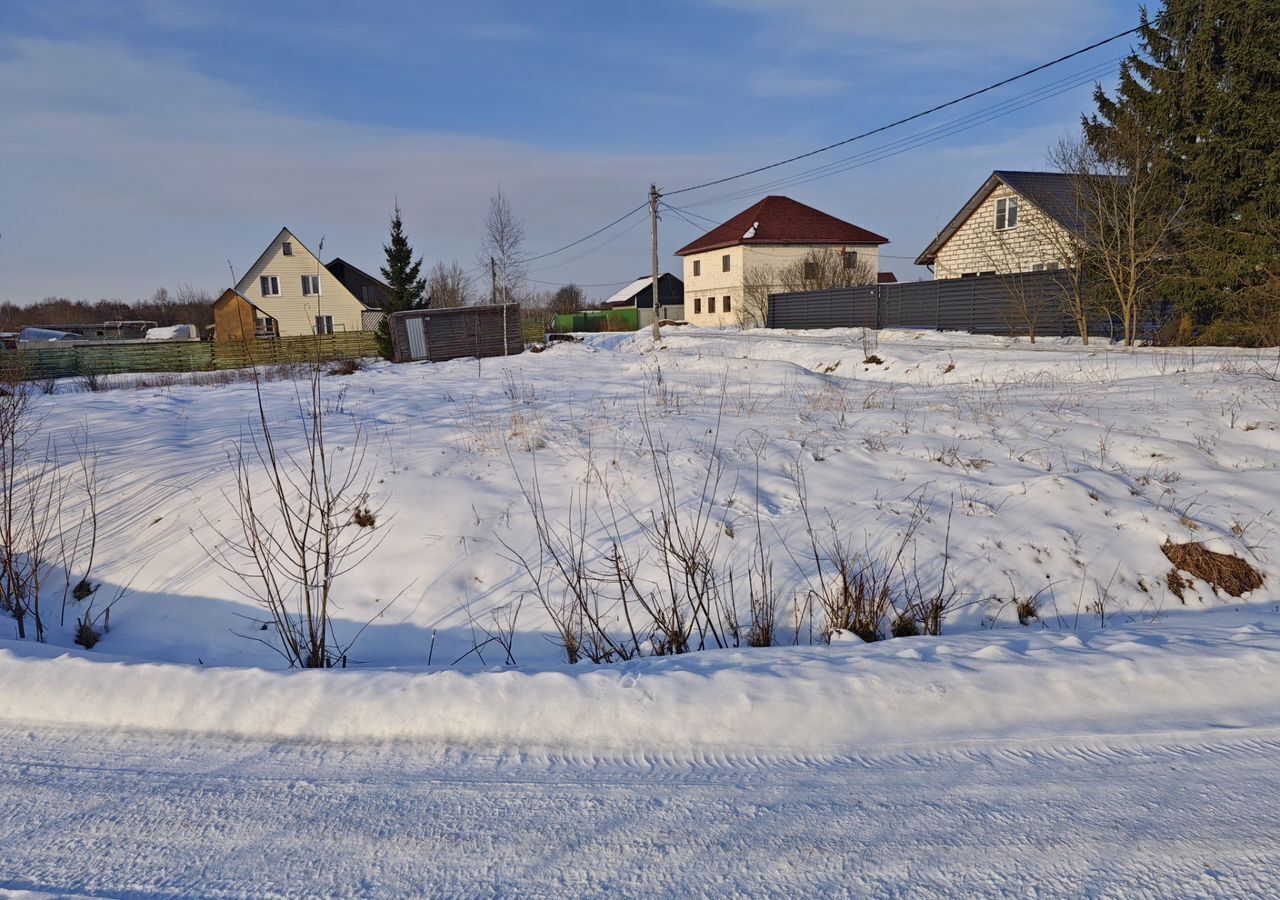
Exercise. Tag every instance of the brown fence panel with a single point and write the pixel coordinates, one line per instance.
(295, 349)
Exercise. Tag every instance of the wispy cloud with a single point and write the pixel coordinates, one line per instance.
(778, 83)
(157, 174)
(936, 32)
(498, 32)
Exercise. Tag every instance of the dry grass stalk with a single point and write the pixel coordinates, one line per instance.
(1222, 571)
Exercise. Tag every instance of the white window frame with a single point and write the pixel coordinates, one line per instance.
(308, 283)
(328, 324)
(270, 285)
(1006, 211)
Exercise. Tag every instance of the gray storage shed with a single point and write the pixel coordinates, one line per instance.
(440, 334)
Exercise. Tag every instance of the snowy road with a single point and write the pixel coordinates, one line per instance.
(1189, 814)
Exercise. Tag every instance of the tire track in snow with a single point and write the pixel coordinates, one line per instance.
(1187, 814)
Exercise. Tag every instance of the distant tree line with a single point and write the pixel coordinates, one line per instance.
(184, 305)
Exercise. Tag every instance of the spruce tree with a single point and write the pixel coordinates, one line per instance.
(1205, 90)
(402, 275)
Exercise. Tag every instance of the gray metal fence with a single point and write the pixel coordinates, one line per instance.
(988, 304)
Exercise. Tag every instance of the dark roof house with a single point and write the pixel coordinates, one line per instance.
(999, 213)
(363, 286)
(781, 220)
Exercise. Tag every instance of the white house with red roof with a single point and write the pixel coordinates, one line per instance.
(773, 233)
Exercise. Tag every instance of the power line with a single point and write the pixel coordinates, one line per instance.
(857, 137)
(911, 142)
(620, 218)
(910, 118)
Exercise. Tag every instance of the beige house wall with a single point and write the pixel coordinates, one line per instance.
(294, 313)
(977, 247)
(744, 258)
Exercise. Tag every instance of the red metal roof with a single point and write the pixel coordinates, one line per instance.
(781, 220)
(886, 278)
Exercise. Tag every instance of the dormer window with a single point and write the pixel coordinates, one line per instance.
(270, 285)
(311, 285)
(287, 248)
(1006, 213)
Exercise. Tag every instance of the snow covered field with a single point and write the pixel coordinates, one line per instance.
(1122, 739)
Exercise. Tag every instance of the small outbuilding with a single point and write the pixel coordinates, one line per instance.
(465, 331)
(638, 295)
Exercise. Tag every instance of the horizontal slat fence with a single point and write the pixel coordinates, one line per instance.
(988, 304)
(69, 359)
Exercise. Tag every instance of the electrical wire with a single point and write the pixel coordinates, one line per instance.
(910, 118)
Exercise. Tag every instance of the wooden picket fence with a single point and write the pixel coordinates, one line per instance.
(67, 359)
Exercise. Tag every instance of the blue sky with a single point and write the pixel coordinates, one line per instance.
(148, 142)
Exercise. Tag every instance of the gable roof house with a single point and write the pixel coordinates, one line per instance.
(1015, 222)
(638, 295)
(286, 292)
(363, 286)
(775, 232)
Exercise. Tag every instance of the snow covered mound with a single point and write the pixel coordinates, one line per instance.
(1038, 483)
(1214, 670)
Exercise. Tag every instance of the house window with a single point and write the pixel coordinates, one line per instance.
(1038, 267)
(311, 285)
(697, 267)
(711, 304)
(724, 263)
(1006, 213)
(287, 248)
(726, 307)
(324, 324)
(697, 306)
(810, 271)
(265, 326)
(270, 285)
(850, 258)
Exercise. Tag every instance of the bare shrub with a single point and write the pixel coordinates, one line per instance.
(295, 533)
(346, 367)
(30, 506)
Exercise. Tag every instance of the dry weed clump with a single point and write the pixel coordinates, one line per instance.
(1223, 571)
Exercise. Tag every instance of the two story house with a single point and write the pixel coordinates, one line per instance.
(286, 292)
(775, 232)
(1015, 222)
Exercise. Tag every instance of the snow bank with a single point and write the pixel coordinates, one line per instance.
(1220, 669)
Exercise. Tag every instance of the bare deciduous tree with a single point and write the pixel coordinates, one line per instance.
(448, 287)
(818, 270)
(1129, 211)
(503, 244)
(567, 299)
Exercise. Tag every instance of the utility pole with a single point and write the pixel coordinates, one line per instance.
(493, 280)
(653, 222)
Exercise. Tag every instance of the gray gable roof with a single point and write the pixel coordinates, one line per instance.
(1052, 192)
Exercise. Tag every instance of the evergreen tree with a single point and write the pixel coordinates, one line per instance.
(1205, 91)
(402, 275)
